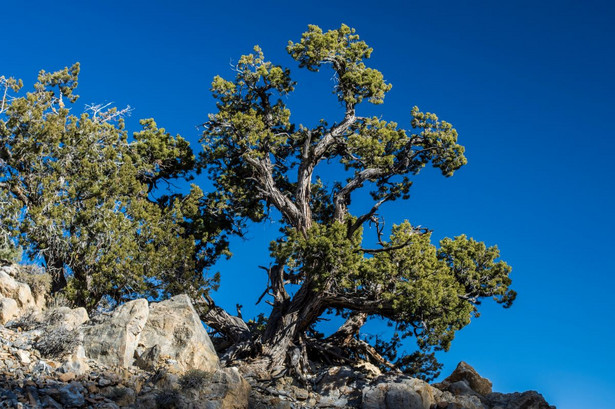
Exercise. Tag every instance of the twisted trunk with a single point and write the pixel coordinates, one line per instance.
(283, 343)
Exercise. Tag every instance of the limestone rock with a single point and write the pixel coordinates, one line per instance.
(525, 400)
(391, 395)
(341, 385)
(175, 338)
(8, 310)
(465, 372)
(228, 388)
(20, 292)
(113, 340)
(66, 317)
(399, 391)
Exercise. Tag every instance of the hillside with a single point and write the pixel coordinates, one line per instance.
(158, 355)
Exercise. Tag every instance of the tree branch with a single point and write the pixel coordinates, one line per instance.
(415, 231)
(367, 216)
(232, 327)
(340, 199)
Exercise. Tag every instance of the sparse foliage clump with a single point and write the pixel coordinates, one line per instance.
(194, 379)
(56, 342)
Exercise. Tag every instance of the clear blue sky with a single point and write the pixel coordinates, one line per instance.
(529, 86)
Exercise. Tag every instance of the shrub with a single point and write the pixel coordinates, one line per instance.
(194, 379)
(28, 321)
(57, 342)
(168, 398)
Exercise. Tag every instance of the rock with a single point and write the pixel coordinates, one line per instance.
(391, 395)
(121, 395)
(228, 389)
(465, 372)
(66, 317)
(20, 292)
(49, 402)
(71, 395)
(42, 368)
(461, 388)
(8, 310)
(525, 400)
(23, 356)
(337, 382)
(77, 366)
(114, 340)
(370, 369)
(174, 331)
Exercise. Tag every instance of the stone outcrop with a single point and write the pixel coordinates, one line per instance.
(8, 310)
(12, 289)
(158, 355)
(465, 376)
(113, 340)
(174, 337)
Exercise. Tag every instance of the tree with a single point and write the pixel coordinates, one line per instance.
(263, 165)
(77, 193)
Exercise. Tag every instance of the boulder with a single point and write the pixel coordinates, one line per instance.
(465, 372)
(399, 392)
(340, 386)
(20, 292)
(8, 310)
(174, 338)
(525, 400)
(228, 389)
(66, 317)
(113, 339)
(391, 395)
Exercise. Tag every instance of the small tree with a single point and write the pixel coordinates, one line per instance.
(76, 192)
(259, 160)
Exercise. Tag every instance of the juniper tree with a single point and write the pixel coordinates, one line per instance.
(76, 191)
(260, 160)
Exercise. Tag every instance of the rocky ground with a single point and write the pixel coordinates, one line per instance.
(158, 355)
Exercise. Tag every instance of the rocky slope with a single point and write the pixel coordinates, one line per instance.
(158, 355)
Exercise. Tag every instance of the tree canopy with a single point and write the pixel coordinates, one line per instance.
(83, 195)
(76, 194)
(259, 159)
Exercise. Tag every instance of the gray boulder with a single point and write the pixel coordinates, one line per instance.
(391, 395)
(20, 292)
(525, 400)
(8, 310)
(113, 340)
(465, 372)
(174, 338)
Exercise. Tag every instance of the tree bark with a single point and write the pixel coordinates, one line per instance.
(55, 268)
(285, 327)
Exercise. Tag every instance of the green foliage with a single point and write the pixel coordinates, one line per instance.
(342, 49)
(418, 364)
(325, 253)
(82, 190)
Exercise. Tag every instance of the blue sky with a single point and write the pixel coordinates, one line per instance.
(528, 85)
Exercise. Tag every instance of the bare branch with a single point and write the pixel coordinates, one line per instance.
(368, 216)
(232, 327)
(340, 199)
(415, 231)
(106, 113)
